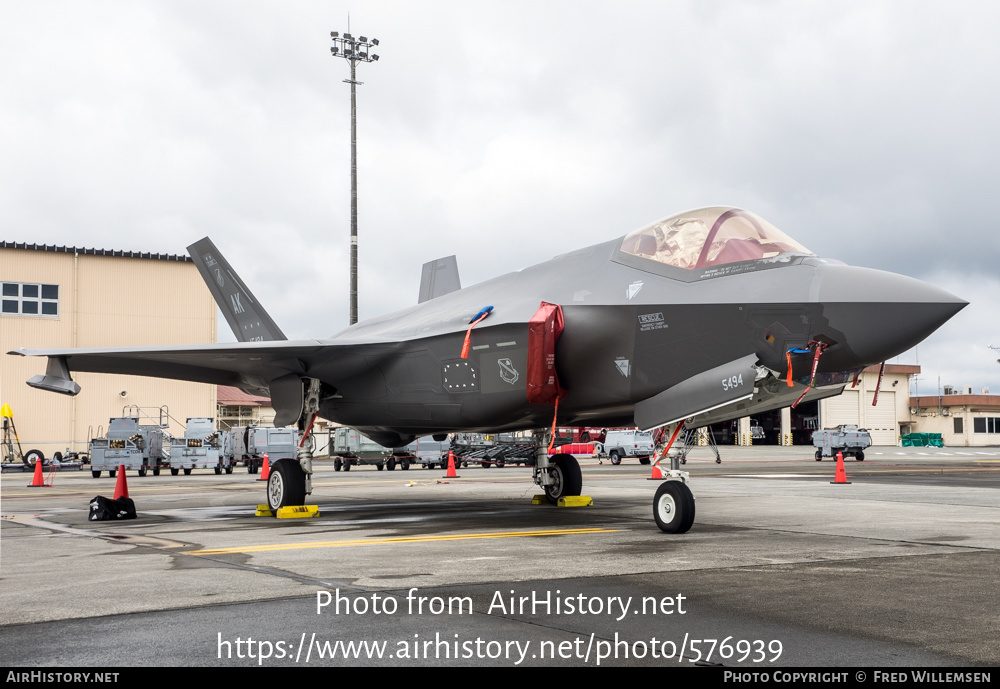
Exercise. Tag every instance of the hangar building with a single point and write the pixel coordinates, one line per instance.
(64, 296)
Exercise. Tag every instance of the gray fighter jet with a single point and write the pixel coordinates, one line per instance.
(707, 316)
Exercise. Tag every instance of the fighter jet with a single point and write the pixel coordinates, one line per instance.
(705, 316)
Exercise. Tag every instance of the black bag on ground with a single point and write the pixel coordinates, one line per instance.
(104, 509)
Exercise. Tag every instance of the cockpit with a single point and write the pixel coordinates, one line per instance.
(710, 237)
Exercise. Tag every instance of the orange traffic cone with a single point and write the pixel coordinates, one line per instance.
(451, 467)
(38, 481)
(121, 486)
(841, 472)
(265, 472)
(657, 473)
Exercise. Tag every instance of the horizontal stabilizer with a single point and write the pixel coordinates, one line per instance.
(439, 277)
(245, 315)
(56, 378)
(708, 390)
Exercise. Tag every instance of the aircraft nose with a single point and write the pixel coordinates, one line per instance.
(879, 314)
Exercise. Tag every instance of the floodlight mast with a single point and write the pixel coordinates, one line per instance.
(354, 50)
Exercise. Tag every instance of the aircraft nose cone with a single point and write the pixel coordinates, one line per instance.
(880, 314)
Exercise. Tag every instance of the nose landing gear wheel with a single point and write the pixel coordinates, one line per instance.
(673, 507)
(568, 480)
(286, 486)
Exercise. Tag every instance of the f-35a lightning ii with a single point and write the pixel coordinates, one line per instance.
(707, 316)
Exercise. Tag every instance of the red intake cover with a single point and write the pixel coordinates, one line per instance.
(544, 329)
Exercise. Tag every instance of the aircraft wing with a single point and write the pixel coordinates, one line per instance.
(247, 365)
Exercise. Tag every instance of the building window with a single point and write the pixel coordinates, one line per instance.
(959, 426)
(29, 299)
(986, 424)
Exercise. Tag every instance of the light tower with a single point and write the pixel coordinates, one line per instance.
(354, 50)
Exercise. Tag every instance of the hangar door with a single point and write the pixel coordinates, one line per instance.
(881, 420)
(841, 409)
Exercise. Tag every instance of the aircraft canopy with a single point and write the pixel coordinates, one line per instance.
(710, 237)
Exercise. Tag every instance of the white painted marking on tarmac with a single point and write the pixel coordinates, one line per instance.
(984, 453)
(967, 454)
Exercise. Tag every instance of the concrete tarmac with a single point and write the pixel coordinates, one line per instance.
(781, 568)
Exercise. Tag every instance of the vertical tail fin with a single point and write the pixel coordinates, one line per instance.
(245, 315)
(439, 277)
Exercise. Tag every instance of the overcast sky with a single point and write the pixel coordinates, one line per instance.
(506, 133)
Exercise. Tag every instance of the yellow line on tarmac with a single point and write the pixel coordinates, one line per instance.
(390, 541)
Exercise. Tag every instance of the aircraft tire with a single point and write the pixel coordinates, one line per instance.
(569, 480)
(286, 486)
(615, 457)
(174, 472)
(95, 474)
(32, 456)
(673, 507)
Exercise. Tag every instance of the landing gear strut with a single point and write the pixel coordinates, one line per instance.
(559, 476)
(673, 504)
(290, 480)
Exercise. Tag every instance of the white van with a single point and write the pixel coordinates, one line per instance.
(634, 443)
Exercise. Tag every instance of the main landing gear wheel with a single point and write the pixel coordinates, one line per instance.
(568, 480)
(673, 507)
(286, 486)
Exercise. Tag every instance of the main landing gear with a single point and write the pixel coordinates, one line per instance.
(559, 476)
(290, 480)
